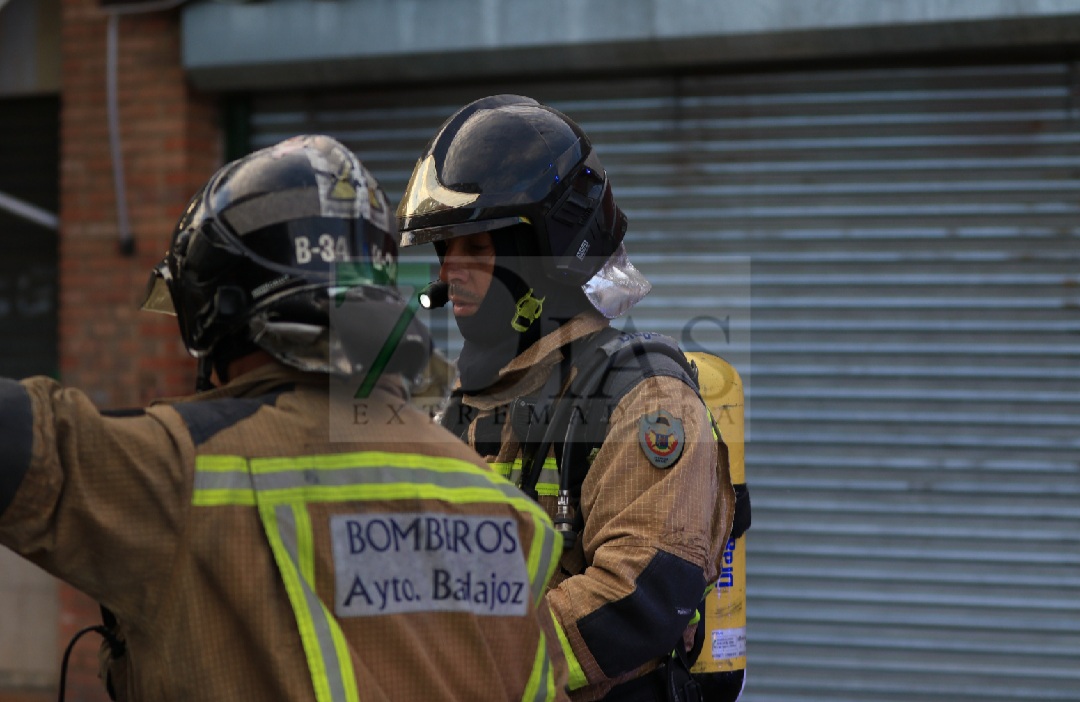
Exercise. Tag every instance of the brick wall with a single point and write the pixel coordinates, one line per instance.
(171, 144)
(28, 696)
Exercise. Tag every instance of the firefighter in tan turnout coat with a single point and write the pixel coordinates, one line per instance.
(529, 238)
(284, 536)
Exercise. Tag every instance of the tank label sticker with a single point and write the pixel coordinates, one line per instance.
(394, 563)
(728, 643)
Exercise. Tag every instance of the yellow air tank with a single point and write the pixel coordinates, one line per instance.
(721, 666)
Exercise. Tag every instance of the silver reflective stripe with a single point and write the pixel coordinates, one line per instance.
(302, 477)
(546, 562)
(542, 690)
(311, 609)
(542, 677)
(548, 475)
(547, 484)
(231, 480)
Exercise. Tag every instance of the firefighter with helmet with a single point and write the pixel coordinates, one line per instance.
(530, 241)
(239, 550)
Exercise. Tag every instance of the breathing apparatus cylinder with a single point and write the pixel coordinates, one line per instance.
(720, 668)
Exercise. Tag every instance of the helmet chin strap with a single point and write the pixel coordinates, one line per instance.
(202, 376)
(516, 272)
(520, 306)
(224, 352)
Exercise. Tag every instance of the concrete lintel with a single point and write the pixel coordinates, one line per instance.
(646, 55)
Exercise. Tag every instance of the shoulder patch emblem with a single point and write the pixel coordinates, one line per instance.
(661, 437)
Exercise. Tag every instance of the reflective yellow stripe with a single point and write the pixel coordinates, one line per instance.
(544, 555)
(344, 658)
(363, 459)
(697, 612)
(577, 675)
(330, 667)
(541, 685)
(231, 484)
(362, 476)
(548, 484)
(305, 544)
(221, 498)
(221, 463)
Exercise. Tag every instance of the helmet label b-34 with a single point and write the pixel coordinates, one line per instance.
(326, 248)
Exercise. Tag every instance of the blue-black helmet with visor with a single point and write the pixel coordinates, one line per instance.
(266, 246)
(507, 160)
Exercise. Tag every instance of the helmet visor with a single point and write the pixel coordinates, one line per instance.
(514, 184)
(158, 298)
(450, 231)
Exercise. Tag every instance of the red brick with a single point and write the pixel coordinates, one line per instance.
(170, 144)
(26, 696)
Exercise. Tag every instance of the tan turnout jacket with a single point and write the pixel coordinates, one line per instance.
(653, 537)
(249, 557)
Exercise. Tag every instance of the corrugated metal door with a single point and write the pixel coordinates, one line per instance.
(909, 241)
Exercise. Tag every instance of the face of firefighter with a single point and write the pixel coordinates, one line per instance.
(467, 267)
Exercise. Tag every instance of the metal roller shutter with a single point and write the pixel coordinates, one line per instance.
(908, 241)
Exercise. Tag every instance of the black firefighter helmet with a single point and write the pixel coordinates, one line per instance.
(267, 249)
(506, 160)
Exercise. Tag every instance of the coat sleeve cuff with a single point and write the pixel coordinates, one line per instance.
(16, 438)
(647, 623)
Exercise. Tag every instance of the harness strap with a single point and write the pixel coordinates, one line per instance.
(532, 419)
(562, 406)
(608, 364)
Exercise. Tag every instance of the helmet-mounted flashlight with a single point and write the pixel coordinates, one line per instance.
(436, 294)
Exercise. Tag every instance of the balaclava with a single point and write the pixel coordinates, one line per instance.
(521, 305)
